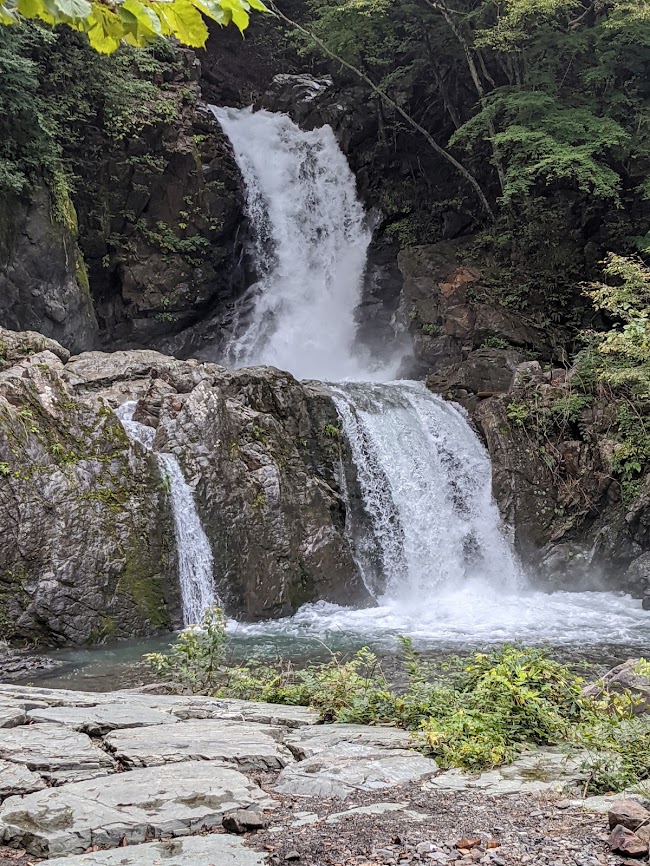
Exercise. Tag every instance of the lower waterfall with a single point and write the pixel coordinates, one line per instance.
(426, 485)
(195, 563)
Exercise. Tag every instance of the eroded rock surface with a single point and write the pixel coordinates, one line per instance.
(172, 800)
(87, 548)
(192, 851)
(249, 746)
(340, 771)
(57, 753)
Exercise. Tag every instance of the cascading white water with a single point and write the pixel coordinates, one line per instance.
(195, 562)
(430, 543)
(425, 480)
(311, 238)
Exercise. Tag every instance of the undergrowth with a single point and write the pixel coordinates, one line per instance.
(471, 713)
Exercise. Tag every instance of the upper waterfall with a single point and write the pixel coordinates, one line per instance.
(311, 239)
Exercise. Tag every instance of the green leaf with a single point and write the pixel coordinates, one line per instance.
(73, 8)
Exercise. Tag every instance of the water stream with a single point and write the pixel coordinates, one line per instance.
(195, 564)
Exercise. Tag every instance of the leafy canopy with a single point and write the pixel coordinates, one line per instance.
(136, 22)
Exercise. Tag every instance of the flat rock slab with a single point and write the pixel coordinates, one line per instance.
(340, 771)
(17, 779)
(12, 716)
(542, 770)
(173, 800)
(100, 720)
(191, 851)
(250, 747)
(308, 742)
(246, 711)
(55, 752)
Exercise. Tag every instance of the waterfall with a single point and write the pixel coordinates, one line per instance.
(425, 480)
(311, 238)
(195, 564)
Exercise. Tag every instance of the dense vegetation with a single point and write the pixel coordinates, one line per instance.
(473, 713)
(545, 105)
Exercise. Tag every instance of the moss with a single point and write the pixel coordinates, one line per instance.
(144, 588)
(301, 588)
(103, 631)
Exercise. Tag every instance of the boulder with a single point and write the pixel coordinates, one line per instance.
(625, 842)
(173, 800)
(485, 372)
(348, 768)
(631, 676)
(244, 821)
(628, 813)
(249, 746)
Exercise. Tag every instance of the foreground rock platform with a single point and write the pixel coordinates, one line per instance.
(141, 779)
(197, 851)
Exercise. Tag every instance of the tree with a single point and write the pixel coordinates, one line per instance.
(108, 23)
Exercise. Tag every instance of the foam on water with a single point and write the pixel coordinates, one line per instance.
(470, 617)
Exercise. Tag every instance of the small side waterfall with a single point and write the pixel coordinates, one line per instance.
(425, 479)
(195, 563)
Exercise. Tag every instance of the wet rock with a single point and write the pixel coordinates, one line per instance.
(97, 721)
(244, 821)
(312, 741)
(215, 850)
(55, 752)
(340, 771)
(626, 677)
(485, 372)
(628, 813)
(42, 275)
(249, 746)
(160, 801)
(627, 843)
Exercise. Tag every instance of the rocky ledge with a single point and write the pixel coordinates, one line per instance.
(87, 548)
(141, 779)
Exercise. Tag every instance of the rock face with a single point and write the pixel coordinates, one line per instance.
(87, 546)
(43, 280)
(554, 477)
(443, 299)
(261, 450)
